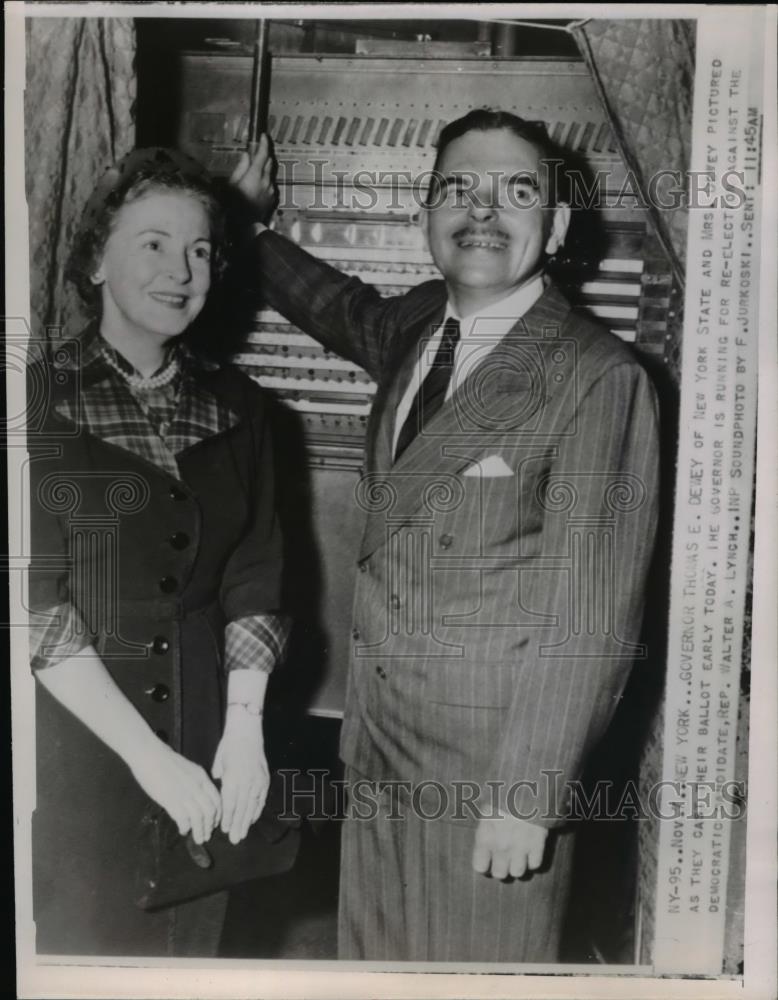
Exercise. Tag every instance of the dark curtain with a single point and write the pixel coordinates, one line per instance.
(644, 73)
(80, 92)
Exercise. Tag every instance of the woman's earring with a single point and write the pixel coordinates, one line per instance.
(97, 278)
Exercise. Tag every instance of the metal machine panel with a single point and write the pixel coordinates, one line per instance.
(355, 141)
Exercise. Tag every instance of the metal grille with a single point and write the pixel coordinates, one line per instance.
(374, 132)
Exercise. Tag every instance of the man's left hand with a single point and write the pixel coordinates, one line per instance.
(507, 846)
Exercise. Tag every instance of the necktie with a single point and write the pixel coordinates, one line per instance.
(432, 391)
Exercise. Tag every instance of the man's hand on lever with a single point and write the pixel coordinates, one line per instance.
(254, 179)
(508, 846)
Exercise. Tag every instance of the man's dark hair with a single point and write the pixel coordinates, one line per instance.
(491, 119)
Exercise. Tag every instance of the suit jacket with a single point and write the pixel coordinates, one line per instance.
(496, 616)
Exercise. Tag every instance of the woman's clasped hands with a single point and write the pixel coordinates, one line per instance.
(241, 766)
(182, 788)
(189, 796)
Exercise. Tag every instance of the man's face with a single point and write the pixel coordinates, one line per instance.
(487, 228)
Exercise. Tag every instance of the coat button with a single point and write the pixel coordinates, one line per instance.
(160, 692)
(380, 671)
(445, 541)
(160, 644)
(363, 567)
(168, 584)
(355, 633)
(395, 602)
(162, 734)
(176, 493)
(179, 539)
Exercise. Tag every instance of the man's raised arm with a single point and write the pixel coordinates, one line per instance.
(344, 314)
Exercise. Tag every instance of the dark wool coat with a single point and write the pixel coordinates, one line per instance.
(155, 565)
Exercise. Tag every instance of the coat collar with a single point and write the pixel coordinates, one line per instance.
(104, 406)
(503, 392)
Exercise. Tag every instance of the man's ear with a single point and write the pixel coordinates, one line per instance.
(559, 226)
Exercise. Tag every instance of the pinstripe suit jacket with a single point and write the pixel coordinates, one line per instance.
(496, 617)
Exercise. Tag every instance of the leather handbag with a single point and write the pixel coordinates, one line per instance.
(174, 869)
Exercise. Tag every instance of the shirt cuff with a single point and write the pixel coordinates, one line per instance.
(257, 642)
(58, 634)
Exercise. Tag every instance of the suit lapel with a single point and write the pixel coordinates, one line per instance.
(384, 409)
(391, 390)
(503, 391)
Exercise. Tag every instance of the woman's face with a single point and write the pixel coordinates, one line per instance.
(155, 270)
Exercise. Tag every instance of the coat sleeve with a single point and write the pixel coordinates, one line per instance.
(342, 313)
(256, 631)
(599, 524)
(57, 630)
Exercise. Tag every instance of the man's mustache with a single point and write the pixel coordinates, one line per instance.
(481, 234)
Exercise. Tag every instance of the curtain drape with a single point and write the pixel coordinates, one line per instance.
(644, 72)
(79, 115)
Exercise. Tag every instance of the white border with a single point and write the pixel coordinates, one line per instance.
(304, 980)
(761, 920)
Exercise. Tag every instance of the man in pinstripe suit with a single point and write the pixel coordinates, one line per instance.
(510, 497)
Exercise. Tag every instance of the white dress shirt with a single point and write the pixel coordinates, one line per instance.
(479, 334)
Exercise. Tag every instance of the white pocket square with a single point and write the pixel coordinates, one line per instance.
(490, 467)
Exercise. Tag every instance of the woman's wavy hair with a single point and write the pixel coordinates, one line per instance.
(141, 172)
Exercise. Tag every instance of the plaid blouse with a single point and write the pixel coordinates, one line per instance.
(155, 423)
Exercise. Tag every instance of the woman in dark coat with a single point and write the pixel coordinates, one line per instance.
(154, 584)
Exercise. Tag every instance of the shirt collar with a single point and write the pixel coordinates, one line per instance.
(174, 350)
(496, 320)
(88, 356)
